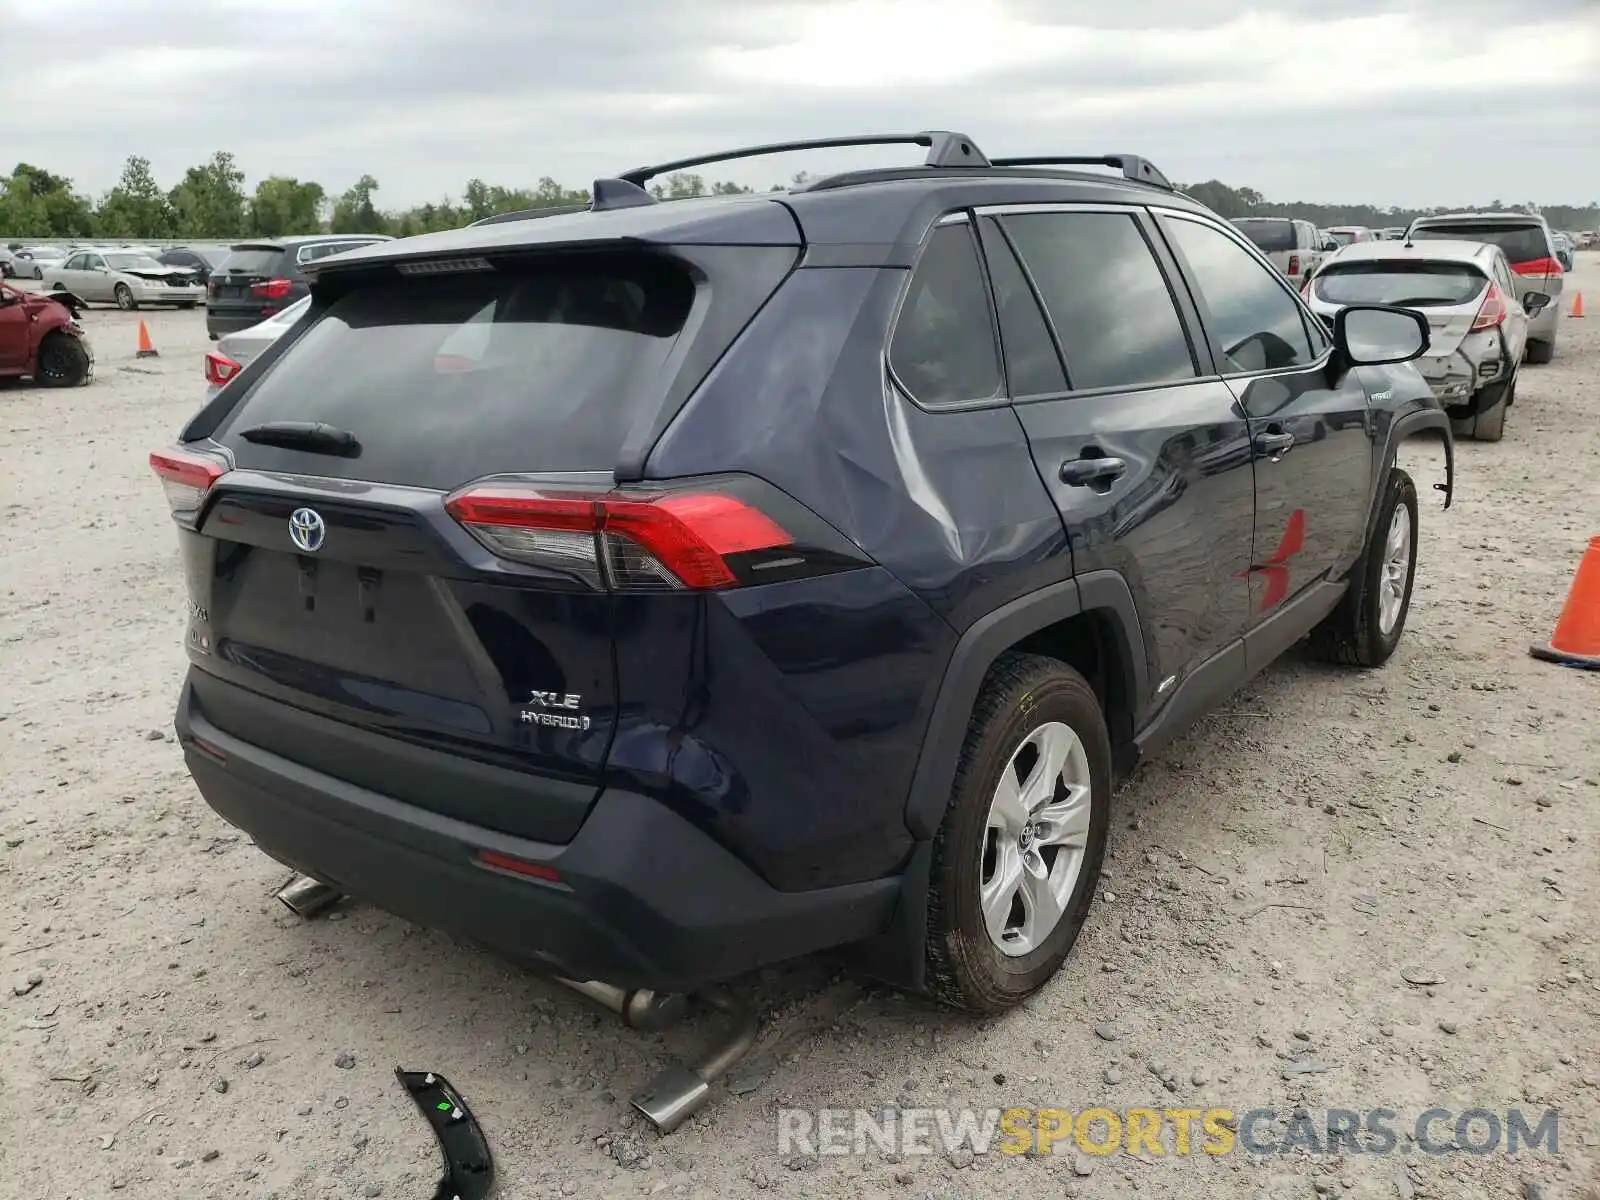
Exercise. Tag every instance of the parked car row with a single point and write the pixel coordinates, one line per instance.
(1489, 285)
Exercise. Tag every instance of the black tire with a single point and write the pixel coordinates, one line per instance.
(124, 295)
(1489, 425)
(1352, 634)
(63, 362)
(1539, 352)
(965, 967)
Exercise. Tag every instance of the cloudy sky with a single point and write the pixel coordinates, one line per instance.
(1409, 102)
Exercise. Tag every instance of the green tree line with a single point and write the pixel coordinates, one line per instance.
(211, 202)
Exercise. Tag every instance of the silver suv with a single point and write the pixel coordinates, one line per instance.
(1525, 239)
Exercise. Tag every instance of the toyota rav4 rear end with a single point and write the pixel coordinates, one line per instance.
(452, 653)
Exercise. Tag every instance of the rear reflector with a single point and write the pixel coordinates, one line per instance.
(220, 368)
(1492, 312)
(1294, 264)
(714, 535)
(1538, 266)
(186, 476)
(518, 866)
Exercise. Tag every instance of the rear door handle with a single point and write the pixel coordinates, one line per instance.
(1274, 445)
(1079, 472)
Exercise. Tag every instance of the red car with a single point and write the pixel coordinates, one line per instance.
(40, 336)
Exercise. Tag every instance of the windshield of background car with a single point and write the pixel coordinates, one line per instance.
(1406, 284)
(1268, 234)
(40, 253)
(251, 260)
(1521, 243)
(133, 262)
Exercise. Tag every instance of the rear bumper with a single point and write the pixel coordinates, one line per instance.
(232, 320)
(645, 898)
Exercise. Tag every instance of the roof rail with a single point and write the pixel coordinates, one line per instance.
(1140, 170)
(528, 214)
(945, 149)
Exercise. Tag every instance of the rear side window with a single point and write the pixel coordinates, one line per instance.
(1407, 284)
(252, 260)
(1268, 235)
(1033, 367)
(943, 350)
(1106, 296)
(1255, 320)
(1521, 243)
(443, 379)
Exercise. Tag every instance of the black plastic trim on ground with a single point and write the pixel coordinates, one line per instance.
(468, 1168)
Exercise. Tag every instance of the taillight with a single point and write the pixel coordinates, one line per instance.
(271, 289)
(1294, 264)
(1492, 312)
(720, 533)
(186, 477)
(220, 368)
(1538, 266)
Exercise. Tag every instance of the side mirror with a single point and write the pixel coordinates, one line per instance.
(1565, 259)
(1330, 245)
(1379, 334)
(1535, 303)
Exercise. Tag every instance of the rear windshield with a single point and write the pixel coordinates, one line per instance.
(1344, 237)
(1268, 234)
(443, 379)
(315, 250)
(1521, 243)
(251, 260)
(1408, 284)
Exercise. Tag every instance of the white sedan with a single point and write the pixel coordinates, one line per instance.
(126, 278)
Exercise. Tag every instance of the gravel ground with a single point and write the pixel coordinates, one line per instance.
(1274, 878)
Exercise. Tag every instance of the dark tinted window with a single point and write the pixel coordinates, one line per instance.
(1408, 284)
(943, 349)
(1106, 297)
(1256, 322)
(1268, 233)
(252, 260)
(1521, 243)
(447, 378)
(1032, 365)
(180, 258)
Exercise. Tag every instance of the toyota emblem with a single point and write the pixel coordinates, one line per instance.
(307, 530)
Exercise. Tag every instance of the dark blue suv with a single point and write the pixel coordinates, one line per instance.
(662, 590)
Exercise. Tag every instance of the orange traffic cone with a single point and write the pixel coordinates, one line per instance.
(1576, 641)
(147, 348)
(1577, 305)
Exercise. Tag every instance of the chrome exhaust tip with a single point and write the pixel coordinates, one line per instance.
(306, 897)
(679, 1092)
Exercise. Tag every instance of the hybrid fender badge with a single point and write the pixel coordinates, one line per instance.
(468, 1168)
(307, 530)
(555, 710)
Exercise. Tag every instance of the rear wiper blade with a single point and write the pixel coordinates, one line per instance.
(316, 437)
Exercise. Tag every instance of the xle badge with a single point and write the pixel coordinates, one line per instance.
(555, 710)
